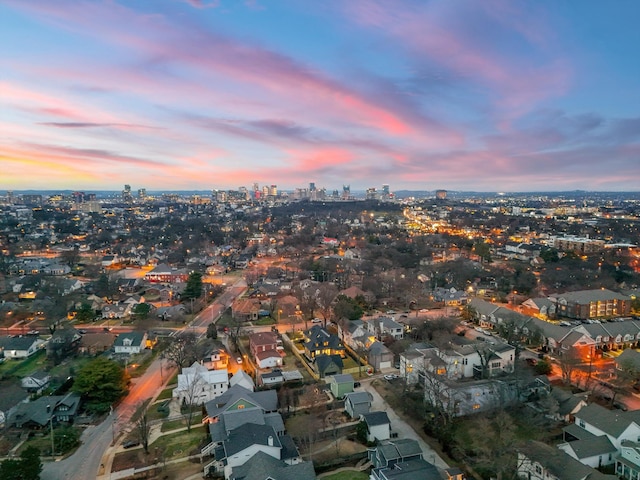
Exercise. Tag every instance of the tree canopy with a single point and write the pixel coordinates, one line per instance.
(101, 382)
(28, 467)
(193, 289)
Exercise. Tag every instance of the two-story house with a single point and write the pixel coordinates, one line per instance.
(382, 327)
(197, 385)
(266, 349)
(130, 343)
(320, 342)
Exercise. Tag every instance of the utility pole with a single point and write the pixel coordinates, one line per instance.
(53, 453)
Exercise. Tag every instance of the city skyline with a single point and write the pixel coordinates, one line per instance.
(201, 95)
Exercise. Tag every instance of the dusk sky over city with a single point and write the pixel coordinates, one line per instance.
(199, 94)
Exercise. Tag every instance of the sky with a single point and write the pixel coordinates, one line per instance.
(491, 95)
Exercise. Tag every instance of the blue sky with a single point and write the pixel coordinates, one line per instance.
(488, 96)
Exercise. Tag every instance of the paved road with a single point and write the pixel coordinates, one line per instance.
(398, 425)
(84, 464)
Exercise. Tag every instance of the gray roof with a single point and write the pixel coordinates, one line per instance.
(590, 447)
(136, 339)
(629, 356)
(249, 434)
(267, 400)
(35, 412)
(587, 296)
(577, 432)
(289, 449)
(609, 421)
(323, 361)
(342, 378)
(263, 466)
(236, 418)
(373, 419)
(410, 470)
(559, 463)
(11, 396)
(17, 343)
(358, 397)
(402, 448)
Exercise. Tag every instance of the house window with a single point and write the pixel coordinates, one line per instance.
(240, 407)
(538, 469)
(476, 406)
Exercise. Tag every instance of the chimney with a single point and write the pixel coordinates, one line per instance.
(48, 408)
(270, 441)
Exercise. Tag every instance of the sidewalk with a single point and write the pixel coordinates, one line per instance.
(404, 429)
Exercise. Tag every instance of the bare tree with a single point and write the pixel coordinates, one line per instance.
(568, 361)
(181, 351)
(143, 427)
(325, 295)
(191, 389)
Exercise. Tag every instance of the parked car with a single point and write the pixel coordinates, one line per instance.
(316, 320)
(391, 376)
(356, 384)
(130, 444)
(239, 360)
(620, 406)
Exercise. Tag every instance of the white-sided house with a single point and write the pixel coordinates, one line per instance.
(36, 382)
(615, 424)
(197, 385)
(628, 463)
(591, 450)
(357, 403)
(130, 343)
(378, 426)
(243, 379)
(20, 347)
(385, 327)
(116, 310)
(268, 359)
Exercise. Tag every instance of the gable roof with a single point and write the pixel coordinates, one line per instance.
(356, 398)
(590, 447)
(263, 466)
(373, 419)
(559, 462)
(267, 400)
(609, 421)
(249, 434)
(135, 337)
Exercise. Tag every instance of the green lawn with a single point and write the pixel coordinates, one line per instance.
(181, 443)
(22, 368)
(165, 394)
(347, 475)
(181, 422)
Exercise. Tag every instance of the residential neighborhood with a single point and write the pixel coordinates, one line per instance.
(235, 336)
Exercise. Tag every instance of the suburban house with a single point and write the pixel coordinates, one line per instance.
(266, 349)
(130, 343)
(36, 382)
(243, 379)
(388, 454)
(599, 421)
(379, 356)
(246, 309)
(628, 463)
(243, 423)
(38, 413)
(274, 377)
(357, 403)
(65, 341)
(450, 296)
(116, 310)
(20, 347)
(96, 343)
(382, 327)
(12, 396)
(216, 360)
(341, 385)
(320, 342)
(197, 385)
(326, 365)
(262, 465)
(378, 426)
(538, 461)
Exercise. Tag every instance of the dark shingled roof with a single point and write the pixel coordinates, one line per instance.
(263, 466)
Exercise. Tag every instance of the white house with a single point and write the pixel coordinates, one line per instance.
(378, 426)
(268, 359)
(197, 385)
(616, 425)
(130, 343)
(20, 347)
(36, 382)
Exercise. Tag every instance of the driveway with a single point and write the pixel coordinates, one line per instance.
(398, 425)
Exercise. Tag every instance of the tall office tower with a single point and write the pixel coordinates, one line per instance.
(142, 193)
(273, 190)
(265, 191)
(346, 191)
(244, 192)
(312, 186)
(126, 193)
(385, 190)
(371, 193)
(91, 197)
(78, 197)
(441, 194)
